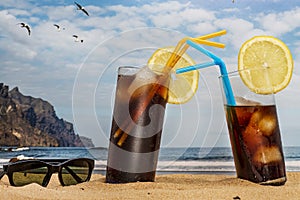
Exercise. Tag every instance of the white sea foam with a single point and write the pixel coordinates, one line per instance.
(205, 166)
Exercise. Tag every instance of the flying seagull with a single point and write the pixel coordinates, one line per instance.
(77, 39)
(79, 7)
(58, 27)
(23, 25)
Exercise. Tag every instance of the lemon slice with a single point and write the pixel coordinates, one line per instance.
(182, 87)
(271, 54)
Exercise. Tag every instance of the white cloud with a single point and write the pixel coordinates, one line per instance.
(15, 4)
(202, 28)
(164, 7)
(170, 20)
(184, 17)
(8, 23)
(296, 58)
(280, 23)
(195, 15)
(239, 30)
(58, 13)
(19, 12)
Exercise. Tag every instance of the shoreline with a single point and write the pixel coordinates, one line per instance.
(165, 186)
(166, 172)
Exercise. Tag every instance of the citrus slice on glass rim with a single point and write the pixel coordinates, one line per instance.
(182, 87)
(271, 54)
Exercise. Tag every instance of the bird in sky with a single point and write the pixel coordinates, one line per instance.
(79, 7)
(77, 39)
(23, 25)
(58, 27)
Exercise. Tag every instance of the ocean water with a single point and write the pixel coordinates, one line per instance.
(171, 160)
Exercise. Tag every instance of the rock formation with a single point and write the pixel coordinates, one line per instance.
(29, 121)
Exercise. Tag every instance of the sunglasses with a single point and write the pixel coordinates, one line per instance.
(70, 172)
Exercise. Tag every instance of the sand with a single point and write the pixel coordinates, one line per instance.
(170, 186)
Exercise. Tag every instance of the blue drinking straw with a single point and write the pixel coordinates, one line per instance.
(216, 61)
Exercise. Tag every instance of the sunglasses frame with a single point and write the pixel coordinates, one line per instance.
(53, 166)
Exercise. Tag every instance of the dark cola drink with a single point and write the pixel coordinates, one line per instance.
(136, 126)
(256, 143)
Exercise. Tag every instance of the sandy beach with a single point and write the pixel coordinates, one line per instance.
(170, 186)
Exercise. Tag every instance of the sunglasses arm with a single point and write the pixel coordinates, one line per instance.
(77, 178)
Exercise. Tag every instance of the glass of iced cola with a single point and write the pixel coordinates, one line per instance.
(140, 101)
(254, 133)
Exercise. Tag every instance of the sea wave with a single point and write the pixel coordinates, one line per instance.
(189, 166)
(170, 159)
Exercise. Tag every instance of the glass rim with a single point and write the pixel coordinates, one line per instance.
(128, 67)
(127, 70)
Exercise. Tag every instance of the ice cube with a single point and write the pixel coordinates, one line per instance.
(267, 124)
(253, 138)
(244, 114)
(244, 101)
(144, 76)
(265, 155)
(255, 118)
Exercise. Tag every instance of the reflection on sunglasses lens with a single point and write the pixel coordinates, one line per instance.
(26, 177)
(75, 172)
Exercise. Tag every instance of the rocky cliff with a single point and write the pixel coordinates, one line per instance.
(29, 121)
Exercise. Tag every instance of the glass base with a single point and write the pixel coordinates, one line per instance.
(116, 176)
(275, 182)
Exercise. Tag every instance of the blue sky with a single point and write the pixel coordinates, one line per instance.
(78, 79)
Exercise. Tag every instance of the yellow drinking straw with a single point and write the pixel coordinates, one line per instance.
(177, 53)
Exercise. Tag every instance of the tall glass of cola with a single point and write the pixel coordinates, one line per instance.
(254, 132)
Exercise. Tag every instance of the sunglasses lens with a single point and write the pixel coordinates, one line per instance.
(74, 172)
(30, 173)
